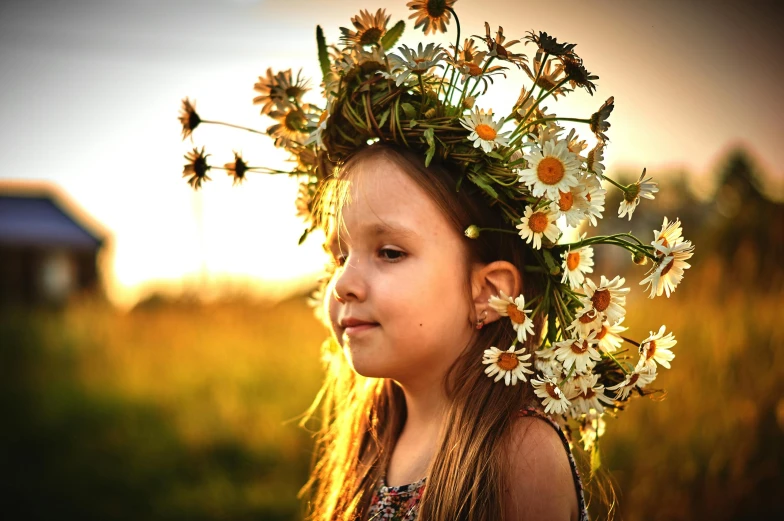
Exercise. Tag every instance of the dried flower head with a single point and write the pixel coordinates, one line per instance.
(189, 118)
(433, 15)
(196, 167)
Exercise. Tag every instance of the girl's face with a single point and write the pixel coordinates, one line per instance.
(401, 268)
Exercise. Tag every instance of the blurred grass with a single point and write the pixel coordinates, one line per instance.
(169, 413)
(187, 412)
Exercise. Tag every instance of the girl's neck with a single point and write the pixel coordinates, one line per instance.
(419, 438)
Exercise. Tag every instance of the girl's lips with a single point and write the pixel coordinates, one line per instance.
(359, 328)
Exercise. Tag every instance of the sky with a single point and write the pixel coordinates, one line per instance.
(91, 90)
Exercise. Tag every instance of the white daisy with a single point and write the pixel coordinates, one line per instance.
(321, 125)
(594, 194)
(670, 235)
(484, 131)
(578, 352)
(609, 298)
(639, 378)
(510, 365)
(586, 394)
(668, 272)
(417, 61)
(549, 367)
(593, 162)
(576, 263)
(586, 321)
(505, 306)
(633, 193)
(534, 224)
(553, 399)
(574, 144)
(591, 429)
(551, 168)
(656, 349)
(609, 337)
(572, 205)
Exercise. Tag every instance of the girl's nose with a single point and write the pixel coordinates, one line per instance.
(350, 282)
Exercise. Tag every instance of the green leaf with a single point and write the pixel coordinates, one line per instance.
(554, 268)
(409, 110)
(459, 183)
(383, 118)
(413, 123)
(431, 148)
(551, 328)
(303, 236)
(495, 154)
(481, 183)
(323, 55)
(390, 38)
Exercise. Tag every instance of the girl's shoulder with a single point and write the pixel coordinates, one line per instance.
(537, 452)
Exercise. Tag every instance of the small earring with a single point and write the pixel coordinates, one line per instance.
(481, 322)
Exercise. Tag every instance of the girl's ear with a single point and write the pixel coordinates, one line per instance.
(490, 280)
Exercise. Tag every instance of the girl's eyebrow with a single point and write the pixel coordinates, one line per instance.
(376, 229)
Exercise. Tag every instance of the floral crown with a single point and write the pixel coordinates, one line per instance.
(540, 178)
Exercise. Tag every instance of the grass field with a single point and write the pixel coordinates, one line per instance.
(190, 412)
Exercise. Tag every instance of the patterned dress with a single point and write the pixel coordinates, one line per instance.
(401, 503)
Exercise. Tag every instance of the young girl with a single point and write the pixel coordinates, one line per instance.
(457, 308)
(414, 428)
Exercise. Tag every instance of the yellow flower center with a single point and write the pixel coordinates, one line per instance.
(474, 69)
(573, 260)
(588, 317)
(370, 36)
(601, 299)
(589, 393)
(323, 117)
(507, 361)
(588, 197)
(602, 332)
(565, 201)
(651, 349)
(579, 347)
(436, 8)
(538, 222)
(485, 132)
(633, 379)
(667, 267)
(517, 316)
(550, 170)
(553, 390)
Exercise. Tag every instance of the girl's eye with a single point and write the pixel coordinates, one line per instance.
(391, 255)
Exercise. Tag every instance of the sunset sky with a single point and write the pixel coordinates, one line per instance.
(91, 91)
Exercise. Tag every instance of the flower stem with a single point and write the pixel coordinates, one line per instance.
(234, 126)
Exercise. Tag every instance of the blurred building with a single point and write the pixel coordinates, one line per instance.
(48, 247)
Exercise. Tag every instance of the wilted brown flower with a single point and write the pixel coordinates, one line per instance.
(497, 48)
(289, 128)
(188, 117)
(599, 121)
(549, 76)
(369, 28)
(577, 74)
(470, 63)
(237, 168)
(432, 14)
(549, 44)
(279, 90)
(196, 167)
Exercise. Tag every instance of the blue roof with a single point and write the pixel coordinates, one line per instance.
(39, 221)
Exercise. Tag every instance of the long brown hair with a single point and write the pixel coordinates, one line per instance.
(361, 418)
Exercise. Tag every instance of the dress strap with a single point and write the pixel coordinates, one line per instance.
(532, 411)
